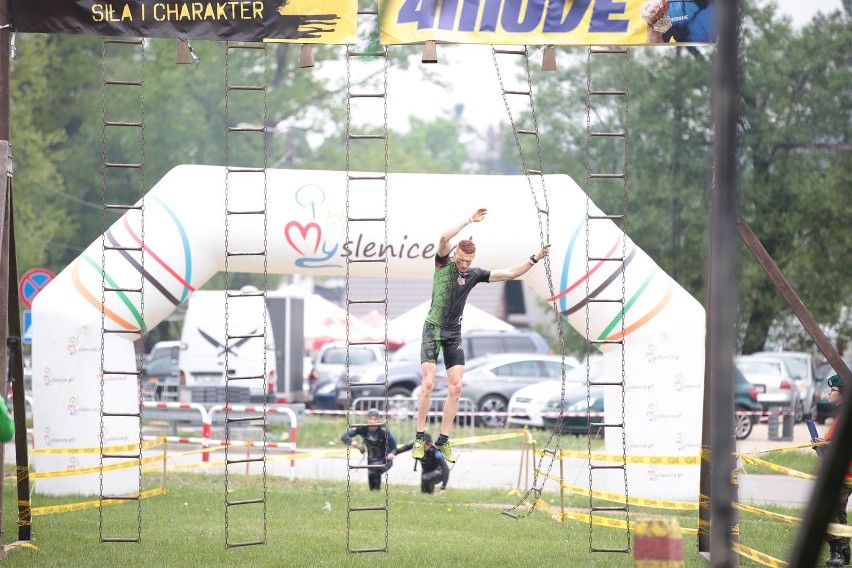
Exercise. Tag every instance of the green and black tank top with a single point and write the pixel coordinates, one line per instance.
(450, 289)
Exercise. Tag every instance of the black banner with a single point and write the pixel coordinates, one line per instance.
(245, 20)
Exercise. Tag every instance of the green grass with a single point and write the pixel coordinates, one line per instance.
(307, 526)
(307, 523)
(805, 461)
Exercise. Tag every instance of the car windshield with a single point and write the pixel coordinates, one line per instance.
(760, 367)
(578, 374)
(798, 367)
(357, 356)
(410, 351)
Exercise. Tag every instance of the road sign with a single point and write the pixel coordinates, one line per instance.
(28, 326)
(32, 283)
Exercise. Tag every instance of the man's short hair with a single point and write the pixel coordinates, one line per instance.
(373, 413)
(467, 246)
(427, 438)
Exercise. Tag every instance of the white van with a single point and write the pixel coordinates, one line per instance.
(204, 347)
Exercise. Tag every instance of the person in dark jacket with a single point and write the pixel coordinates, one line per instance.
(839, 545)
(379, 445)
(435, 468)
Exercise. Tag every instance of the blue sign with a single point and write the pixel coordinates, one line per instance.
(28, 326)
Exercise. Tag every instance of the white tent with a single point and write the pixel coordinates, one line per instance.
(325, 321)
(410, 324)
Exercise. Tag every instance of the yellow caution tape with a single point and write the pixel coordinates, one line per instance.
(787, 448)
(92, 504)
(94, 469)
(106, 449)
(634, 501)
(21, 544)
(833, 528)
(595, 520)
(751, 459)
(770, 514)
(489, 438)
(753, 554)
(631, 459)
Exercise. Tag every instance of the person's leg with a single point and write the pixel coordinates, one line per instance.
(843, 502)
(451, 406)
(430, 347)
(427, 384)
(838, 515)
(374, 478)
(429, 480)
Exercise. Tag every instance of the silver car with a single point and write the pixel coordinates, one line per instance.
(802, 368)
(491, 381)
(773, 381)
(328, 377)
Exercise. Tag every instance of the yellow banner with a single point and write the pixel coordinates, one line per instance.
(320, 21)
(547, 22)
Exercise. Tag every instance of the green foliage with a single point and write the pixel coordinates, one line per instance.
(793, 156)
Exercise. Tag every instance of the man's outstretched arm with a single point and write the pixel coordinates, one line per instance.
(504, 274)
(444, 242)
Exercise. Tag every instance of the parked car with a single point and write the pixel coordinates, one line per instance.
(577, 400)
(745, 401)
(491, 381)
(160, 369)
(328, 376)
(405, 373)
(774, 382)
(802, 368)
(527, 405)
(160, 377)
(825, 409)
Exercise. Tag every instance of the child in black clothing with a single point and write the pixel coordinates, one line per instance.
(434, 467)
(379, 445)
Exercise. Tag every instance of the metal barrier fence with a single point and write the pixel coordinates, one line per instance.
(402, 416)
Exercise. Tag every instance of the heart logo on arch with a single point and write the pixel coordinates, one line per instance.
(303, 238)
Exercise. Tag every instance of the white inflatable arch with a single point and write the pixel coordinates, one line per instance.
(184, 240)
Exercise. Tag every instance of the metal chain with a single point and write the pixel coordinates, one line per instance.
(142, 326)
(624, 298)
(103, 284)
(346, 240)
(387, 267)
(588, 285)
(265, 273)
(544, 237)
(227, 276)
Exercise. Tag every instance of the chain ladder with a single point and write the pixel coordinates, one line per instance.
(619, 340)
(112, 289)
(551, 448)
(364, 182)
(240, 210)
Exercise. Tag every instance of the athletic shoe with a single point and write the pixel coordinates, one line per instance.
(447, 451)
(417, 451)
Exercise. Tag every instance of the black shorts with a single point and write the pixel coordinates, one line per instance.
(437, 338)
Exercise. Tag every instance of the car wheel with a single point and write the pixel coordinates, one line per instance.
(493, 404)
(799, 415)
(742, 426)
